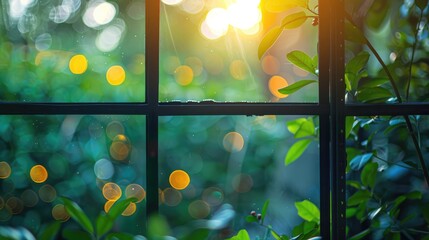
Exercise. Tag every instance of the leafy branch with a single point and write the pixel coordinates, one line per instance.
(358, 35)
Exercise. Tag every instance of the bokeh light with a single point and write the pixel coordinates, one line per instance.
(130, 210)
(15, 205)
(29, 198)
(213, 196)
(113, 129)
(60, 213)
(179, 179)
(238, 69)
(196, 64)
(216, 23)
(244, 14)
(115, 75)
(120, 147)
(233, 142)
(104, 13)
(270, 65)
(47, 193)
(184, 75)
(38, 174)
(78, 64)
(5, 170)
(199, 209)
(104, 169)
(193, 6)
(242, 183)
(171, 2)
(136, 191)
(108, 205)
(111, 191)
(275, 83)
(171, 197)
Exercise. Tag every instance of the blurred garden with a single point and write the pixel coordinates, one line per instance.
(239, 177)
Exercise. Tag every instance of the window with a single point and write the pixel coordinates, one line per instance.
(177, 105)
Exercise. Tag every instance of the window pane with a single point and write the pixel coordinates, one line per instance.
(387, 195)
(72, 51)
(398, 39)
(93, 160)
(215, 170)
(209, 50)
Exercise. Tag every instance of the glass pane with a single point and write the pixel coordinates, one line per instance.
(387, 44)
(209, 50)
(216, 170)
(72, 51)
(94, 161)
(387, 193)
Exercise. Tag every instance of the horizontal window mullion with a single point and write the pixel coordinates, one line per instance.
(386, 109)
(73, 108)
(241, 109)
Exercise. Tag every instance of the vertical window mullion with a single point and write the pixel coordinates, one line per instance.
(152, 82)
(337, 116)
(325, 169)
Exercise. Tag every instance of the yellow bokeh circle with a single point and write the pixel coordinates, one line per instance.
(184, 75)
(179, 179)
(115, 75)
(130, 210)
(78, 64)
(136, 191)
(60, 213)
(275, 84)
(38, 174)
(111, 191)
(5, 170)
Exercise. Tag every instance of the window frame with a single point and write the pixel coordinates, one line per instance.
(331, 109)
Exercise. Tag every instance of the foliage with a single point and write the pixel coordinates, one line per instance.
(379, 158)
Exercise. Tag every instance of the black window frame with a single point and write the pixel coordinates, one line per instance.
(331, 109)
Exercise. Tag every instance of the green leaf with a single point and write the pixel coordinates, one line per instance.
(78, 215)
(268, 40)
(264, 209)
(296, 86)
(73, 234)
(308, 211)
(201, 233)
(157, 226)
(360, 160)
(415, 195)
(293, 126)
(282, 6)
(50, 231)
(241, 235)
(294, 20)
(316, 61)
(358, 197)
(302, 60)
(120, 236)
(306, 129)
(369, 174)
(296, 150)
(251, 218)
(349, 125)
(361, 235)
(354, 34)
(373, 95)
(105, 221)
(371, 82)
(422, 4)
(353, 69)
